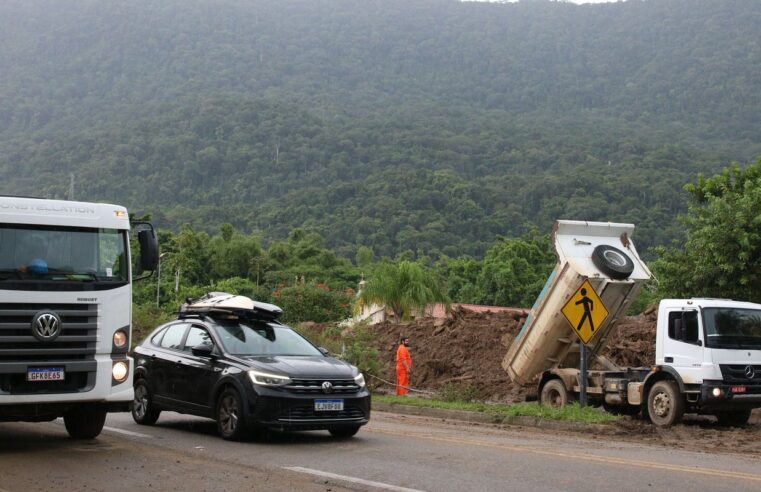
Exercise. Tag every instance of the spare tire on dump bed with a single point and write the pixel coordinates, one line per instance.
(612, 262)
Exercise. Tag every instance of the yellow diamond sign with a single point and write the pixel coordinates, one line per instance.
(585, 312)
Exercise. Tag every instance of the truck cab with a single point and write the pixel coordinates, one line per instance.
(710, 349)
(66, 311)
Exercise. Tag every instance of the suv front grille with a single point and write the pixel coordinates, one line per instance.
(79, 325)
(307, 412)
(314, 386)
(736, 373)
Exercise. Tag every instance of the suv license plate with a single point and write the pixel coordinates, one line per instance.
(328, 405)
(45, 374)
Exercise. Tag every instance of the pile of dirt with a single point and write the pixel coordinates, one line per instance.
(467, 349)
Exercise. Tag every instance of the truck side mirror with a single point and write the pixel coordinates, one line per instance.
(149, 249)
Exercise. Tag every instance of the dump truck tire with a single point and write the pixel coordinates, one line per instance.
(554, 394)
(612, 262)
(665, 404)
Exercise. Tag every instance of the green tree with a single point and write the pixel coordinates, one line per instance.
(722, 254)
(403, 287)
(515, 270)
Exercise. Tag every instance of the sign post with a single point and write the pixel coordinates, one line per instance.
(586, 313)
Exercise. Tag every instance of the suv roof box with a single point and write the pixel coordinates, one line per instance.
(225, 303)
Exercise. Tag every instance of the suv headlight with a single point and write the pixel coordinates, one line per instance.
(268, 379)
(360, 380)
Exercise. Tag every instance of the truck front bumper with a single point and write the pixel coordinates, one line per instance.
(719, 396)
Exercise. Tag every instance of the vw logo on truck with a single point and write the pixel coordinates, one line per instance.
(46, 326)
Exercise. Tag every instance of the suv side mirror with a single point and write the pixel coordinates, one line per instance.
(202, 350)
(324, 351)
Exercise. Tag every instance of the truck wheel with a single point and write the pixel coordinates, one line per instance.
(143, 411)
(736, 418)
(554, 394)
(85, 421)
(231, 424)
(665, 405)
(612, 262)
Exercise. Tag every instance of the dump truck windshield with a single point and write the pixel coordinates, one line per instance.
(732, 328)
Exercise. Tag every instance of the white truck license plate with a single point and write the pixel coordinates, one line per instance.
(328, 405)
(45, 374)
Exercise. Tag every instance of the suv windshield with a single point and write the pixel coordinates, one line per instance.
(732, 328)
(251, 337)
(51, 253)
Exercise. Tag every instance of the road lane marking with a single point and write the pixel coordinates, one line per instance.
(125, 432)
(581, 456)
(345, 478)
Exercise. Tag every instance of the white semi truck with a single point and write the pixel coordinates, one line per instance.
(708, 351)
(66, 310)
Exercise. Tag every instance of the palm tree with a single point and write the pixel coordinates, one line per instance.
(402, 287)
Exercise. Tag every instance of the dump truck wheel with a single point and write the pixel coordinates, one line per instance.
(612, 262)
(554, 394)
(665, 405)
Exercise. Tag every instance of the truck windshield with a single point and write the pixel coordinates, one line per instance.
(51, 254)
(732, 328)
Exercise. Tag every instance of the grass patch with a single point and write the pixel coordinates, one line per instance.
(571, 413)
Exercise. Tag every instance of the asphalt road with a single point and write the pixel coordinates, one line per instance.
(393, 452)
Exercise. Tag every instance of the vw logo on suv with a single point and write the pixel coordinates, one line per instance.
(327, 387)
(46, 326)
(750, 373)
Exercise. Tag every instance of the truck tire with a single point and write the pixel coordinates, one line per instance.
(665, 404)
(612, 262)
(231, 423)
(85, 421)
(554, 394)
(143, 411)
(736, 418)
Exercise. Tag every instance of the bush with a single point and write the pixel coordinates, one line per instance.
(312, 302)
(360, 350)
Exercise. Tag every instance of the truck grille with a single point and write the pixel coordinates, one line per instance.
(79, 324)
(737, 373)
(314, 386)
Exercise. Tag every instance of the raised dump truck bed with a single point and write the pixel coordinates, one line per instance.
(603, 254)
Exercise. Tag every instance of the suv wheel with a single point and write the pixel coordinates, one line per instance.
(230, 422)
(143, 411)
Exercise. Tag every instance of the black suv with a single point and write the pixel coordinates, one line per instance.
(247, 371)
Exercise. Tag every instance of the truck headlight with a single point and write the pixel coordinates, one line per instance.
(360, 380)
(268, 379)
(120, 371)
(717, 392)
(120, 339)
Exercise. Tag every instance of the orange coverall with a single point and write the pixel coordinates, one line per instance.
(402, 372)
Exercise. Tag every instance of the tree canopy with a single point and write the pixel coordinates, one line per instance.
(722, 254)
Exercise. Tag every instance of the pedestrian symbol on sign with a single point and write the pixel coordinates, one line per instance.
(585, 312)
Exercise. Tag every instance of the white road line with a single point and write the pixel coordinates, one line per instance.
(126, 432)
(334, 476)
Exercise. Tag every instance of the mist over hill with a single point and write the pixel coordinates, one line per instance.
(429, 125)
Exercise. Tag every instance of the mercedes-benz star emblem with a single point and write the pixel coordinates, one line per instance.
(327, 387)
(46, 326)
(750, 373)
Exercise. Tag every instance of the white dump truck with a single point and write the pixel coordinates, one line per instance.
(66, 310)
(708, 351)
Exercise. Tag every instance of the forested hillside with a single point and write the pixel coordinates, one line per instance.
(422, 125)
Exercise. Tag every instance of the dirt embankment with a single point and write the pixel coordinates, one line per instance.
(468, 348)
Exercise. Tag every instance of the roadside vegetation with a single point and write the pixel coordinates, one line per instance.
(501, 411)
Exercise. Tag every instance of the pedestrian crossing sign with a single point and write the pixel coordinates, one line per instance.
(585, 312)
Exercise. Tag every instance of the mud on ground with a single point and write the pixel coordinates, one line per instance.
(467, 350)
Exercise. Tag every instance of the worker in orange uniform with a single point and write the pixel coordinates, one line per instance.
(403, 366)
